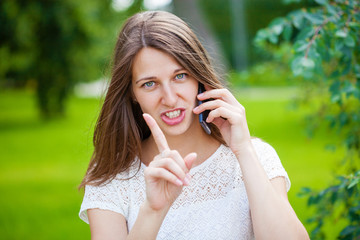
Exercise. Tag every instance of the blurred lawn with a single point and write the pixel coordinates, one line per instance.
(42, 163)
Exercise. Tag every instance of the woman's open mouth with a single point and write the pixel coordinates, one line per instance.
(173, 117)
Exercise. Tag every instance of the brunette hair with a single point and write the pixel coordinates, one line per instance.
(120, 127)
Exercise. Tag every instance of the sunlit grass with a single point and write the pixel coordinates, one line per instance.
(42, 163)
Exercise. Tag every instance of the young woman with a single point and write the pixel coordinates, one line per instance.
(155, 173)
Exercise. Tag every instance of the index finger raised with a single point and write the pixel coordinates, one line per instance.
(158, 135)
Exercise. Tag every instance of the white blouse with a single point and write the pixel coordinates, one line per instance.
(213, 206)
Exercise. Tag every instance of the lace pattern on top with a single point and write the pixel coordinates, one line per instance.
(213, 206)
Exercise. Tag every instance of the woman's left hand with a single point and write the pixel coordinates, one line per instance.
(228, 115)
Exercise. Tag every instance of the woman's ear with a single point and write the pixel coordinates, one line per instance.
(134, 101)
(133, 98)
(207, 87)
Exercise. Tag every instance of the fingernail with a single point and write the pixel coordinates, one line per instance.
(195, 108)
(186, 181)
(179, 182)
(200, 95)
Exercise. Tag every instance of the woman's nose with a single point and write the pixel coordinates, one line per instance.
(169, 96)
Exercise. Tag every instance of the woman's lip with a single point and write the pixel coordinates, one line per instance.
(172, 110)
(175, 120)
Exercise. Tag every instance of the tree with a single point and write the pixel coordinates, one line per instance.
(254, 15)
(191, 12)
(53, 44)
(325, 48)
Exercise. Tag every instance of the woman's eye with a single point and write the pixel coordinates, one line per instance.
(180, 76)
(149, 84)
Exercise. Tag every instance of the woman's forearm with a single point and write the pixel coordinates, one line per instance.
(271, 213)
(148, 223)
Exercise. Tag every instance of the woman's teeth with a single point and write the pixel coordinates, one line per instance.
(173, 114)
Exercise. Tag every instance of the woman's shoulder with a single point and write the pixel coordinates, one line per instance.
(121, 178)
(261, 146)
(134, 170)
(270, 160)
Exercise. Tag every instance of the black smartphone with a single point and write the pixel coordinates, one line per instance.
(204, 114)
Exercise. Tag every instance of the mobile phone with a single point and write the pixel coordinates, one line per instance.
(203, 115)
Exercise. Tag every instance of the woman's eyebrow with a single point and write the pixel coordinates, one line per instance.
(145, 78)
(179, 69)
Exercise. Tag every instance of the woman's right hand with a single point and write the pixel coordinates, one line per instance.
(167, 173)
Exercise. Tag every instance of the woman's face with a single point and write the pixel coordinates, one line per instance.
(165, 90)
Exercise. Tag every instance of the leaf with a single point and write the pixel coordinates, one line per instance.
(277, 21)
(331, 9)
(300, 45)
(353, 182)
(261, 35)
(313, 200)
(343, 119)
(334, 197)
(306, 32)
(322, 2)
(323, 49)
(341, 34)
(355, 117)
(313, 54)
(330, 147)
(277, 29)
(346, 63)
(304, 191)
(315, 18)
(348, 88)
(331, 120)
(354, 24)
(296, 67)
(287, 33)
(291, 1)
(298, 18)
(348, 230)
(273, 38)
(355, 209)
(357, 69)
(357, 95)
(339, 44)
(307, 62)
(349, 41)
(316, 230)
(335, 98)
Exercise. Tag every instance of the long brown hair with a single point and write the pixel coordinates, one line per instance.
(120, 127)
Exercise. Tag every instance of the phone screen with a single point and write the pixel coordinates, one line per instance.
(204, 114)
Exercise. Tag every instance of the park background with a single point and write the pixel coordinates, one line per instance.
(54, 62)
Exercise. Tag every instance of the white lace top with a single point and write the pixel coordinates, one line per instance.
(213, 206)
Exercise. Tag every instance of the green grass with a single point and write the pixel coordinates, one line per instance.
(42, 163)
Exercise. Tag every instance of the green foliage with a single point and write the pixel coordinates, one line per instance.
(257, 15)
(50, 45)
(326, 53)
(344, 196)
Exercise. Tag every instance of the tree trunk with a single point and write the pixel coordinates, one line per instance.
(191, 13)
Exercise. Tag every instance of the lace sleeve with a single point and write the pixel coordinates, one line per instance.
(271, 161)
(104, 197)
